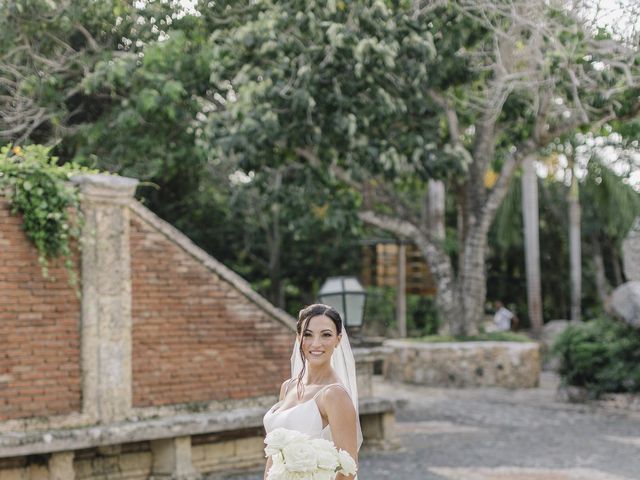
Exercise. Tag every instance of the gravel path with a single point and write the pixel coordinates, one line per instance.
(498, 434)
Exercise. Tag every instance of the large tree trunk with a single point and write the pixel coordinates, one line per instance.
(448, 299)
(532, 243)
(473, 281)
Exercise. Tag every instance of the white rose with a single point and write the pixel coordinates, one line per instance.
(347, 464)
(281, 437)
(324, 475)
(300, 457)
(327, 454)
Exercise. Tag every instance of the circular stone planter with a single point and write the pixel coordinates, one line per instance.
(464, 364)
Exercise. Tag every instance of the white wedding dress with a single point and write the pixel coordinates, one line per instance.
(304, 417)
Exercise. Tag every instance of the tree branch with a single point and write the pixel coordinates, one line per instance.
(452, 116)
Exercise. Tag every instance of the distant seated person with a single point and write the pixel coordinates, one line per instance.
(504, 319)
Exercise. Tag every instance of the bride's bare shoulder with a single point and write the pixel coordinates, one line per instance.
(285, 387)
(336, 397)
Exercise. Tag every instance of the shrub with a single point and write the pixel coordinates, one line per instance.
(602, 356)
(39, 189)
(380, 313)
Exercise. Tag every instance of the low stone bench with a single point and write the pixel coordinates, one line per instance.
(179, 447)
(464, 364)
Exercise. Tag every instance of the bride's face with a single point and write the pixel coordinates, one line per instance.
(319, 339)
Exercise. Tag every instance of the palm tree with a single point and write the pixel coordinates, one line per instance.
(575, 245)
(532, 243)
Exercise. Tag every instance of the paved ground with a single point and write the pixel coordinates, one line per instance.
(496, 434)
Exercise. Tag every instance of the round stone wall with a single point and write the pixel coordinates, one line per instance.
(464, 364)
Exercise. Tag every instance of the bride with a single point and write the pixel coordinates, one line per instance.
(321, 397)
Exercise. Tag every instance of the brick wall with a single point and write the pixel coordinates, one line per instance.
(39, 330)
(195, 337)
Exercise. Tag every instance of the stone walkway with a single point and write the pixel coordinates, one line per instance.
(497, 434)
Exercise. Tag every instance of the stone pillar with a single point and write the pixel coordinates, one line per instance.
(172, 460)
(61, 466)
(106, 296)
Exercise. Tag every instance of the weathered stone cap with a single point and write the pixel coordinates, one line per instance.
(113, 188)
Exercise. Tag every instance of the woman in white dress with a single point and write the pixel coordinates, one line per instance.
(321, 397)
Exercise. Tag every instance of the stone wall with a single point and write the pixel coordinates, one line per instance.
(39, 330)
(161, 331)
(464, 364)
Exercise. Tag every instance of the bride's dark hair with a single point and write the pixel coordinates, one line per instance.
(304, 316)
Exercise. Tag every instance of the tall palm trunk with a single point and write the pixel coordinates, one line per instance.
(575, 251)
(532, 243)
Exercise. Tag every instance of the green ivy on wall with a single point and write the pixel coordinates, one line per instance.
(40, 190)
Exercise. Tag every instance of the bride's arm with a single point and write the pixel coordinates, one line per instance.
(266, 469)
(283, 389)
(342, 421)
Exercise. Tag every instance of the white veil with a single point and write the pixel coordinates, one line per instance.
(344, 365)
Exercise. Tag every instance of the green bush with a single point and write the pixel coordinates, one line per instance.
(602, 356)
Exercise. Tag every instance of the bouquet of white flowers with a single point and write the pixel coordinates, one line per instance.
(296, 456)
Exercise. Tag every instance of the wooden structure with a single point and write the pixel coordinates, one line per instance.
(381, 266)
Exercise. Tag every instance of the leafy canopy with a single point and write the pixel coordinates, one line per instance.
(342, 82)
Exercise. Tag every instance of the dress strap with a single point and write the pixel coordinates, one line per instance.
(327, 386)
(289, 382)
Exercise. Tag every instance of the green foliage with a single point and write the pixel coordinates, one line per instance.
(601, 355)
(482, 337)
(380, 313)
(333, 81)
(40, 191)
(608, 203)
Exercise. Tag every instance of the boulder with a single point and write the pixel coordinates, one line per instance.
(625, 303)
(552, 330)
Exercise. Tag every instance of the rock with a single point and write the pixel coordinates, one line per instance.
(550, 333)
(572, 394)
(552, 330)
(631, 252)
(625, 303)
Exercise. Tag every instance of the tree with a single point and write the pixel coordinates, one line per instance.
(296, 231)
(125, 87)
(46, 50)
(603, 169)
(385, 96)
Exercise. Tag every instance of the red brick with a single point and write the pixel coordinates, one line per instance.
(40, 346)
